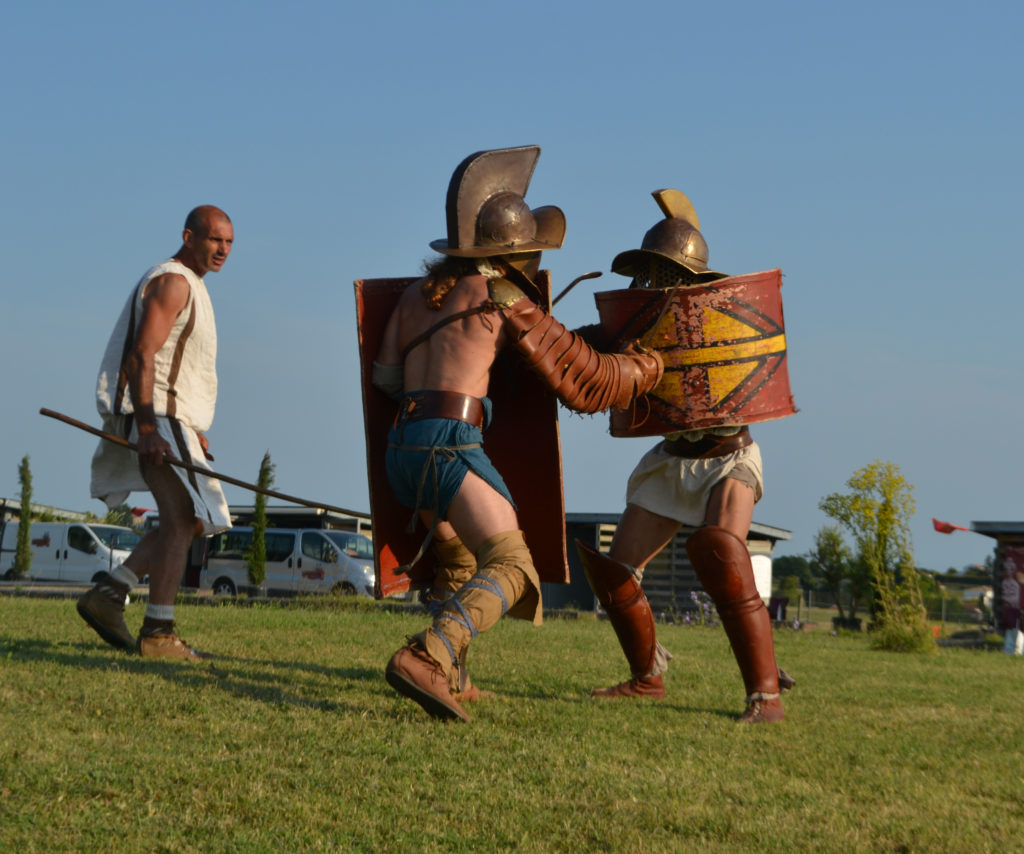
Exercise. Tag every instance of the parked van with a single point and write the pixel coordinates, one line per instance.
(299, 560)
(73, 552)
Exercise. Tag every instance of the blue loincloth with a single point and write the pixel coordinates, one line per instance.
(423, 486)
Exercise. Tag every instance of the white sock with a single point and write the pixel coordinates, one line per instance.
(160, 612)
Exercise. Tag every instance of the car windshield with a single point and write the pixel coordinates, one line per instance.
(355, 545)
(116, 538)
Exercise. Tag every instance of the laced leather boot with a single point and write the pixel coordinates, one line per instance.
(505, 582)
(455, 566)
(416, 675)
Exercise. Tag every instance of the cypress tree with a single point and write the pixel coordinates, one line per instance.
(257, 557)
(23, 550)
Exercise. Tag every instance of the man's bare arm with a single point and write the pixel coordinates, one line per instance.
(165, 298)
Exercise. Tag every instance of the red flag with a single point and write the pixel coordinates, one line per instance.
(139, 511)
(947, 527)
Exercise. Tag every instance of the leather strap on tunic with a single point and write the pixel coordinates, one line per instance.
(483, 308)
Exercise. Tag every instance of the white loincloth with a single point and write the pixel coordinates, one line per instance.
(678, 487)
(116, 472)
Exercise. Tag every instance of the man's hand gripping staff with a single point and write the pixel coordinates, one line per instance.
(582, 378)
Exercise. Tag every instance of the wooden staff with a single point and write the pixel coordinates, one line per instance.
(252, 487)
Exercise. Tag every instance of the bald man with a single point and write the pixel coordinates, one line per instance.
(157, 387)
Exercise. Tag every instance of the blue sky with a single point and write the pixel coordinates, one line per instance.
(871, 151)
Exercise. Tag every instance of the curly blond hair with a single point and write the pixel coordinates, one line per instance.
(442, 275)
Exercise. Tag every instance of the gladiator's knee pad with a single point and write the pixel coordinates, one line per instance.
(508, 550)
(722, 564)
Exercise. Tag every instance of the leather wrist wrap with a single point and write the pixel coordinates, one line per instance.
(582, 378)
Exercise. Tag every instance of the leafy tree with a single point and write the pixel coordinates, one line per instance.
(876, 512)
(23, 549)
(795, 565)
(257, 556)
(832, 561)
(929, 583)
(120, 515)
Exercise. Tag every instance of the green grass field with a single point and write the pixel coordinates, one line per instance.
(291, 740)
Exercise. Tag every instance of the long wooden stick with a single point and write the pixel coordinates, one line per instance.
(252, 487)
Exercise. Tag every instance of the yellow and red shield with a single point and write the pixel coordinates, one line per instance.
(522, 442)
(724, 347)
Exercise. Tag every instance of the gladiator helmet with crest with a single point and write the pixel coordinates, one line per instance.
(674, 242)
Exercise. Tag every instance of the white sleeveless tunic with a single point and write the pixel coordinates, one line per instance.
(185, 381)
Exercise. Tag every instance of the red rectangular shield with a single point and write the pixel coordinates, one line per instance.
(522, 442)
(724, 348)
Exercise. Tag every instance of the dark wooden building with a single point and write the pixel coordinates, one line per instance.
(669, 578)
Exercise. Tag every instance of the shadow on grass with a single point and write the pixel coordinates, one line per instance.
(666, 706)
(579, 696)
(279, 683)
(269, 681)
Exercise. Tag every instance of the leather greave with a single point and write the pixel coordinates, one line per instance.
(722, 564)
(628, 610)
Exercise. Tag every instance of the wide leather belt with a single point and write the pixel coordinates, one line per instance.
(442, 404)
(709, 446)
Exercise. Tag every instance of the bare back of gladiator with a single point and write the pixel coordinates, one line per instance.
(457, 356)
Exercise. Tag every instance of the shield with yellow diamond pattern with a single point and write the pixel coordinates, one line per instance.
(724, 347)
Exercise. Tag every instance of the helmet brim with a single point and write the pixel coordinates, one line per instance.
(490, 251)
(625, 265)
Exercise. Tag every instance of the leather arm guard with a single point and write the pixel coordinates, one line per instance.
(582, 378)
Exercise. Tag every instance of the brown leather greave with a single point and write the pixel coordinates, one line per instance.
(581, 377)
(722, 564)
(627, 607)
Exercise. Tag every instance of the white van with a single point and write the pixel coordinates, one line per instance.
(299, 560)
(73, 552)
